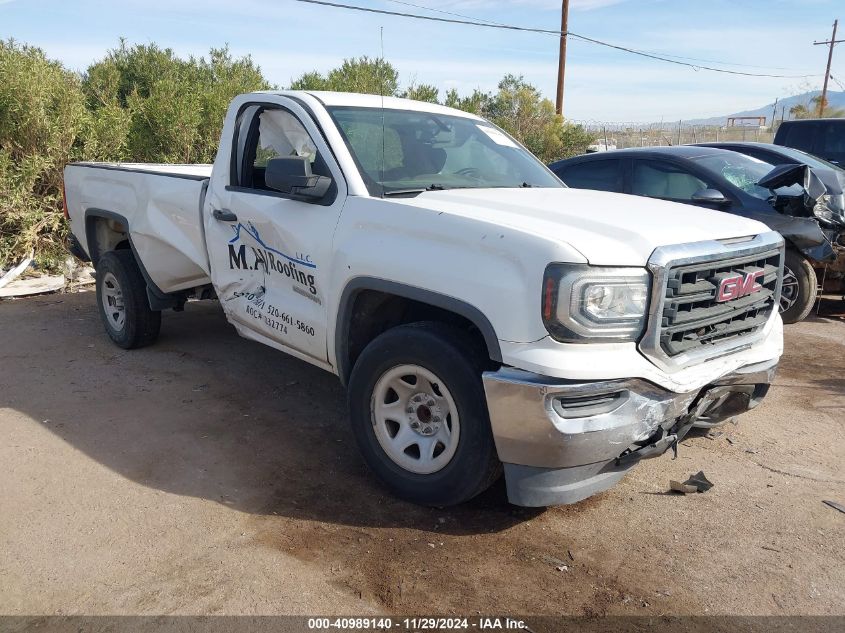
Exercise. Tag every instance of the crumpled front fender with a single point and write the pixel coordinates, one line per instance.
(804, 234)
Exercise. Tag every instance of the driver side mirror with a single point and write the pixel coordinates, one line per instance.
(293, 176)
(710, 196)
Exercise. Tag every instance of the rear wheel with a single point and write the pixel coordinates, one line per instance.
(419, 415)
(122, 299)
(799, 289)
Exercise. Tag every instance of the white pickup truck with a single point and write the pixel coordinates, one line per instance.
(480, 313)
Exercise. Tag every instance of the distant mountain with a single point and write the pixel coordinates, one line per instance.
(835, 100)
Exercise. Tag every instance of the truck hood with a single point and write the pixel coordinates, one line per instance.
(608, 229)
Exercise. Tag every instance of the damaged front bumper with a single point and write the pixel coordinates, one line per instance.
(562, 440)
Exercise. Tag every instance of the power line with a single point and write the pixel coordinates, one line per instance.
(456, 15)
(719, 61)
(692, 59)
(680, 63)
(510, 27)
(491, 25)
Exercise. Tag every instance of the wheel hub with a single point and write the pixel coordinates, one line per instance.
(789, 290)
(424, 414)
(415, 419)
(112, 299)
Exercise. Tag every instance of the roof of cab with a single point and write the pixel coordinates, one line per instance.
(680, 151)
(357, 100)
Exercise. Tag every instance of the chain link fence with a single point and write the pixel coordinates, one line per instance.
(616, 135)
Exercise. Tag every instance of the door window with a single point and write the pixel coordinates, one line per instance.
(599, 175)
(660, 179)
(274, 133)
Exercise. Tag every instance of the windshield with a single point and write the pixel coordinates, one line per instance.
(418, 151)
(743, 172)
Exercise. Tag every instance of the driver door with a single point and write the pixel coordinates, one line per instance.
(270, 252)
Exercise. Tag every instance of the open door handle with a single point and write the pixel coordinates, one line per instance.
(224, 215)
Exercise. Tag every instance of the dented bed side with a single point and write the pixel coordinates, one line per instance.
(155, 208)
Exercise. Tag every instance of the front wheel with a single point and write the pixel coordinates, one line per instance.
(799, 288)
(419, 415)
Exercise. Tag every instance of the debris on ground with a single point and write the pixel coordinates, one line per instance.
(696, 483)
(677, 486)
(700, 481)
(26, 279)
(834, 505)
(15, 272)
(555, 562)
(34, 286)
(78, 274)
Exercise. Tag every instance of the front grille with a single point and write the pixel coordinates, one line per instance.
(692, 318)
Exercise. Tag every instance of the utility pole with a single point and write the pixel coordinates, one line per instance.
(831, 43)
(774, 114)
(561, 62)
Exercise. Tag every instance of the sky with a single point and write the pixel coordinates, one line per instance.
(287, 38)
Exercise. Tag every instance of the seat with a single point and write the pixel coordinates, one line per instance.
(649, 181)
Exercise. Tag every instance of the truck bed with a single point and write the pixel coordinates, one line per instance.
(159, 207)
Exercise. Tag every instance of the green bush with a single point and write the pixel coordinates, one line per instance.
(140, 104)
(170, 110)
(42, 111)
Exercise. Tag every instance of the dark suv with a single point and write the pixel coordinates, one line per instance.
(824, 138)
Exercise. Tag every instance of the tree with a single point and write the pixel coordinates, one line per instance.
(361, 74)
(799, 111)
(811, 110)
(42, 112)
(476, 103)
(520, 109)
(170, 109)
(423, 92)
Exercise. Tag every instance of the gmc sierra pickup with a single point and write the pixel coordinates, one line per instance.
(481, 315)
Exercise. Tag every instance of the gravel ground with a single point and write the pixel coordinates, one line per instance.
(211, 475)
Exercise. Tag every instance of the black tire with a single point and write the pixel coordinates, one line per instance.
(140, 325)
(800, 287)
(444, 351)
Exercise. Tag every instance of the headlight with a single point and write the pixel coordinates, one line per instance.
(585, 303)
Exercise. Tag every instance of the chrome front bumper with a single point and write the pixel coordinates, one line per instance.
(562, 441)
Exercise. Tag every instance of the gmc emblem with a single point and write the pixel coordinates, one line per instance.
(736, 286)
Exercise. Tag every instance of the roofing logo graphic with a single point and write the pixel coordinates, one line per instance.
(303, 260)
(270, 260)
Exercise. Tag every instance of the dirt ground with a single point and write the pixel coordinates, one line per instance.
(211, 475)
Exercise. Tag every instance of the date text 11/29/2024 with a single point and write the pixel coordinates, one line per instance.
(418, 623)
